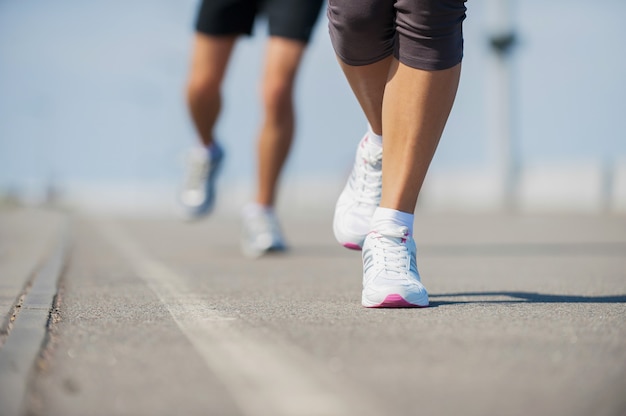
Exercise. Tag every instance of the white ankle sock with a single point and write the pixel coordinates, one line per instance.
(387, 216)
(374, 138)
(253, 209)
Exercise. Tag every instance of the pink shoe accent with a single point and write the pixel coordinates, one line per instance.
(352, 246)
(396, 301)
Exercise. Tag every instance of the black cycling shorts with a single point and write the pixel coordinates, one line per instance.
(291, 19)
(423, 34)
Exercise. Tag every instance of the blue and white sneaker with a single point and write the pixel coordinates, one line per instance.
(360, 197)
(261, 233)
(390, 276)
(198, 194)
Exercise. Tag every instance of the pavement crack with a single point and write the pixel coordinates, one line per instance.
(31, 326)
(50, 341)
(9, 320)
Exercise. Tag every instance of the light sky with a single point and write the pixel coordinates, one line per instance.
(92, 92)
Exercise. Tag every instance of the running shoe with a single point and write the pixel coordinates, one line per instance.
(198, 194)
(261, 232)
(390, 276)
(360, 197)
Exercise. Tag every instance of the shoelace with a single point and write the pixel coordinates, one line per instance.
(198, 173)
(393, 256)
(367, 177)
(262, 224)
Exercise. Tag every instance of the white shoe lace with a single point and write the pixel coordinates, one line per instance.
(197, 174)
(366, 177)
(261, 229)
(390, 253)
(262, 224)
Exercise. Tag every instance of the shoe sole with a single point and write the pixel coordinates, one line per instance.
(186, 215)
(252, 253)
(394, 301)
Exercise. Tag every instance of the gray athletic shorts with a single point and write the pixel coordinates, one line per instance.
(423, 34)
(292, 19)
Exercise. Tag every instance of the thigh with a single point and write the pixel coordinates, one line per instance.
(210, 58)
(429, 33)
(226, 17)
(362, 31)
(292, 19)
(282, 59)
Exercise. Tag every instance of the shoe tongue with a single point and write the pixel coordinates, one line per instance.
(199, 152)
(257, 210)
(394, 231)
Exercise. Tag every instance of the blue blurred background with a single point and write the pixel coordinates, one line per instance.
(92, 110)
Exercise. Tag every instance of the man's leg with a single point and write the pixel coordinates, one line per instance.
(261, 230)
(209, 61)
(282, 60)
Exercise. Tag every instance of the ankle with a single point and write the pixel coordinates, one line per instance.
(373, 138)
(385, 217)
(253, 209)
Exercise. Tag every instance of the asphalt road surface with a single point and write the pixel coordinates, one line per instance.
(106, 316)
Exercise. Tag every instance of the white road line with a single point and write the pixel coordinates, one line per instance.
(263, 378)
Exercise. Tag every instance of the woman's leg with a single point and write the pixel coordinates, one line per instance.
(368, 85)
(416, 106)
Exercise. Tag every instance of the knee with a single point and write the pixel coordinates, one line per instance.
(202, 87)
(277, 96)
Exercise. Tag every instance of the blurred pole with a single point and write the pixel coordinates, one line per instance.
(500, 99)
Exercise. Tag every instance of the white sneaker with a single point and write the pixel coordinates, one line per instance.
(390, 276)
(198, 194)
(261, 232)
(360, 197)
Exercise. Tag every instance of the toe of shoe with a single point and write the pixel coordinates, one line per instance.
(400, 296)
(347, 238)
